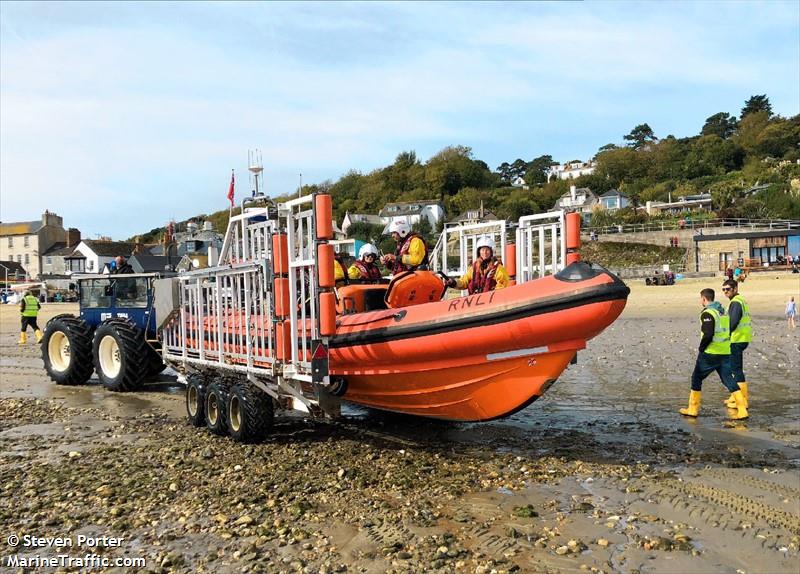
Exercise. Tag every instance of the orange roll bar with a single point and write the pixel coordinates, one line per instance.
(327, 314)
(510, 260)
(280, 254)
(325, 265)
(323, 212)
(282, 297)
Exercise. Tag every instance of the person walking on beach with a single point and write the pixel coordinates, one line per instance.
(741, 335)
(791, 312)
(714, 355)
(29, 310)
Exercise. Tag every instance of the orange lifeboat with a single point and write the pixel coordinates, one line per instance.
(471, 358)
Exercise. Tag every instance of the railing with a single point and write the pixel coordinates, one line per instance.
(689, 224)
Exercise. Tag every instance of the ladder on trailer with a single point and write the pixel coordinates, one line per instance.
(257, 313)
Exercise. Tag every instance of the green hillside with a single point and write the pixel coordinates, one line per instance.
(618, 255)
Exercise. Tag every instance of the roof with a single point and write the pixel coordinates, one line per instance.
(143, 263)
(406, 207)
(475, 214)
(59, 248)
(613, 193)
(13, 267)
(110, 248)
(367, 217)
(747, 235)
(20, 227)
(76, 254)
(590, 197)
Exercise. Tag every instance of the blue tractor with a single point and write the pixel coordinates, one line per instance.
(114, 335)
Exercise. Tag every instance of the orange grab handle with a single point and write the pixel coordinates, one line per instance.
(323, 212)
(325, 265)
(510, 259)
(327, 314)
(573, 225)
(280, 254)
(281, 297)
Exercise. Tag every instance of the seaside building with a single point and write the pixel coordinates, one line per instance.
(412, 212)
(752, 249)
(570, 170)
(26, 241)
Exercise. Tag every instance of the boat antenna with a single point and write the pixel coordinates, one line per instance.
(300, 186)
(256, 167)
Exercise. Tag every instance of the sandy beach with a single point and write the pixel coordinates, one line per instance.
(600, 475)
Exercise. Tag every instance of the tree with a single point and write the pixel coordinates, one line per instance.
(721, 124)
(756, 104)
(537, 169)
(504, 171)
(640, 136)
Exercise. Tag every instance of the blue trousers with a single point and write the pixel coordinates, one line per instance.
(706, 364)
(737, 362)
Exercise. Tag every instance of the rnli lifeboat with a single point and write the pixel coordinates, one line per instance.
(471, 358)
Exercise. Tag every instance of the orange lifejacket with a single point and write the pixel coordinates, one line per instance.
(482, 278)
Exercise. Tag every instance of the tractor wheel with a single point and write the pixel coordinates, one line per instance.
(154, 363)
(196, 401)
(216, 400)
(120, 355)
(250, 413)
(67, 350)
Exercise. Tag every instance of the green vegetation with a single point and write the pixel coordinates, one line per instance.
(727, 157)
(615, 255)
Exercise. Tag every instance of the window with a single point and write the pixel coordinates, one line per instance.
(10, 241)
(26, 241)
(49, 260)
(19, 258)
(90, 265)
(27, 259)
(725, 261)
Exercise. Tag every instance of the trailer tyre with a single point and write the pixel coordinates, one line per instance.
(67, 350)
(216, 399)
(120, 355)
(196, 402)
(250, 413)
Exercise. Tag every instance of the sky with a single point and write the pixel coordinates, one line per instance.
(119, 116)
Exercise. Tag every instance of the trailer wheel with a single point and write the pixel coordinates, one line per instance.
(195, 402)
(120, 355)
(215, 407)
(67, 350)
(250, 413)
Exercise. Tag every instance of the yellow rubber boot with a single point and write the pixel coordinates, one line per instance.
(39, 335)
(23, 338)
(694, 405)
(741, 406)
(731, 402)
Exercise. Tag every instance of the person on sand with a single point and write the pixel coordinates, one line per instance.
(741, 335)
(486, 273)
(29, 310)
(714, 355)
(791, 312)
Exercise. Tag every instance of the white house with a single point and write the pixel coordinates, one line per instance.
(91, 256)
(351, 218)
(412, 212)
(613, 200)
(570, 170)
(519, 181)
(581, 199)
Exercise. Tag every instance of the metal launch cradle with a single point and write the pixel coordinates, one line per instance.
(269, 317)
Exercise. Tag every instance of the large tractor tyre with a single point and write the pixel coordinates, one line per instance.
(196, 402)
(154, 363)
(250, 413)
(120, 355)
(67, 350)
(216, 401)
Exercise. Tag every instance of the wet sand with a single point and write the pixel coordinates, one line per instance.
(600, 475)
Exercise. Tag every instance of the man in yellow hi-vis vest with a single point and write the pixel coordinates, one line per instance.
(741, 335)
(29, 309)
(714, 355)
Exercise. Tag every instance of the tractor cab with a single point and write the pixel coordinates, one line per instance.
(126, 296)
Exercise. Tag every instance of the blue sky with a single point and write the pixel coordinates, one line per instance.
(119, 116)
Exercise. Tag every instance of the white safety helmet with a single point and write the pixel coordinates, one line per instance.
(484, 241)
(400, 226)
(367, 249)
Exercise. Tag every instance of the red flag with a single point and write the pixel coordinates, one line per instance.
(230, 190)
